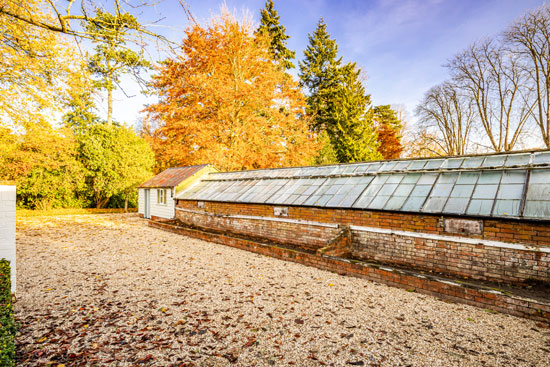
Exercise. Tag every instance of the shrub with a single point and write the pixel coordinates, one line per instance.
(8, 327)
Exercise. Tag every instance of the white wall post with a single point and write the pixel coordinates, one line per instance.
(7, 228)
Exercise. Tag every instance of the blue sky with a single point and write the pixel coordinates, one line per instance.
(402, 45)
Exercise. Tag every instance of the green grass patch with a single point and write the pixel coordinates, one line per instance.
(69, 211)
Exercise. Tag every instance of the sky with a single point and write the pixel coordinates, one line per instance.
(402, 45)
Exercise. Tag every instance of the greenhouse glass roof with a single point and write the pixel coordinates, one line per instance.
(515, 185)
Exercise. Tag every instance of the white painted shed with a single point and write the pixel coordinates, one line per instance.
(156, 196)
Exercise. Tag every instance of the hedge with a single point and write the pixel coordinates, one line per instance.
(8, 327)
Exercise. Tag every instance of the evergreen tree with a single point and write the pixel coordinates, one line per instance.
(319, 75)
(270, 24)
(352, 134)
(337, 100)
(112, 58)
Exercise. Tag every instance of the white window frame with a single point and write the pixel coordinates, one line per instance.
(161, 196)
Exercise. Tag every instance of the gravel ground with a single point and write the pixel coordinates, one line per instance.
(107, 290)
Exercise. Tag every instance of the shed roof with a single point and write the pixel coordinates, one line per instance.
(172, 177)
(514, 185)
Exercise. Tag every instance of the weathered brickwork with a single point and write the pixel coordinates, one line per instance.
(461, 259)
(524, 232)
(311, 237)
(452, 291)
(400, 240)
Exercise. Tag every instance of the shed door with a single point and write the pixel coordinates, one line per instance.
(147, 201)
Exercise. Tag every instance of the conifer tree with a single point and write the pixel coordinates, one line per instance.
(352, 134)
(270, 23)
(337, 100)
(319, 75)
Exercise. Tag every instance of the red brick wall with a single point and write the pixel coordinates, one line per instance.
(308, 236)
(524, 232)
(461, 259)
(454, 258)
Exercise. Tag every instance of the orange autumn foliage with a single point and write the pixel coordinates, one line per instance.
(222, 100)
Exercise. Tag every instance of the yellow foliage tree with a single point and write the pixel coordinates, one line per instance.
(34, 66)
(222, 100)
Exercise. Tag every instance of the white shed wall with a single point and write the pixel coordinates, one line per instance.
(167, 210)
(141, 201)
(7, 228)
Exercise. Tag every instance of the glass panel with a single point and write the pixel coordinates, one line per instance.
(411, 178)
(540, 176)
(416, 165)
(378, 202)
(467, 178)
(513, 177)
(456, 205)
(413, 203)
(453, 163)
(374, 167)
(395, 202)
(447, 178)
(402, 165)
(485, 192)
(507, 207)
(403, 190)
(494, 161)
(538, 192)
(427, 179)
(434, 164)
(542, 158)
(489, 177)
(434, 205)
(537, 209)
(518, 160)
(462, 191)
(441, 190)
(480, 207)
(472, 162)
(395, 178)
(387, 189)
(511, 191)
(388, 166)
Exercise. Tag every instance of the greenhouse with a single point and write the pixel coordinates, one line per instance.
(513, 185)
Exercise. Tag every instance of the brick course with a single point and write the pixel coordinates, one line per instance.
(458, 257)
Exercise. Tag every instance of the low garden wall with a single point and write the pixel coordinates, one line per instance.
(491, 250)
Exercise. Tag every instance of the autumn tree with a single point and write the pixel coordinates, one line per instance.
(42, 161)
(223, 101)
(34, 67)
(270, 24)
(63, 19)
(389, 129)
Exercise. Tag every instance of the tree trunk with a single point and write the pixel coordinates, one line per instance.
(126, 203)
(102, 202)
(109, 106)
